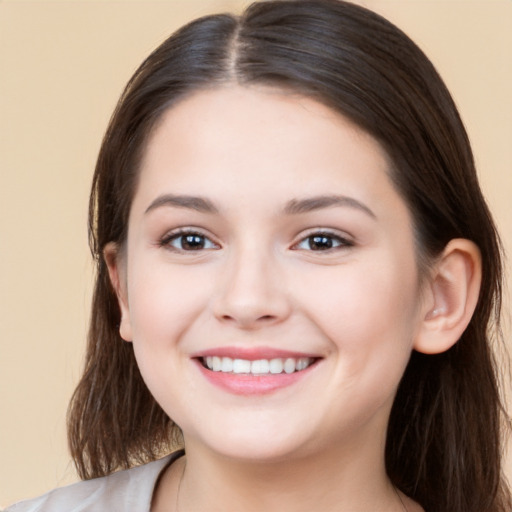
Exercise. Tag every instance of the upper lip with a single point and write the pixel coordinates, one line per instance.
(253, 353)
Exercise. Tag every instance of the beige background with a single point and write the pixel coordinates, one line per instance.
(62, 67)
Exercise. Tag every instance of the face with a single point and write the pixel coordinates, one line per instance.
(269, 282)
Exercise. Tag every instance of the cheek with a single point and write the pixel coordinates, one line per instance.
(369, 317)
(164, 301)
(368, 309)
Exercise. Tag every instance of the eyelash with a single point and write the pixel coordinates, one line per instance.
(167, 240)
(326, 237)
(340, 242)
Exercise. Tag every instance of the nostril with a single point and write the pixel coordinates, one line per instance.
(248, 321)
(250, 310)
(263, 317)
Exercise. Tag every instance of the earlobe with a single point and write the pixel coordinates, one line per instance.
(452, 296)
(118, 281)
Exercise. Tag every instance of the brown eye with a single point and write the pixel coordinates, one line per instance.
(323, 242)
(320, 242)
(192, 242)
(189, 242)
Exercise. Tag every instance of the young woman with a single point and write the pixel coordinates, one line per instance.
(297, 280)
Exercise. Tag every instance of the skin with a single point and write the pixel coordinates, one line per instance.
(259, 281)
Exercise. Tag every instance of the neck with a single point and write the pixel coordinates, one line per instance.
(332, 481)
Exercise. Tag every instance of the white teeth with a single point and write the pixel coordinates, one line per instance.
(227, 364)
(276, 366)
(302, 363)
(289, 365)
(257, 367)
(216, 364)
(241, 366)
(264, 366)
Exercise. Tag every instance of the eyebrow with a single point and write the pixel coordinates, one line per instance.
(293, 207)
(296, 206)
(199, 204)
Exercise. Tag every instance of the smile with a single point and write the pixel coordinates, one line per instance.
(273, 366)
(255, 370)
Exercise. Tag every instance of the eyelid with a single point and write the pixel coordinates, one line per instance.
(346, 240)
(165, 240)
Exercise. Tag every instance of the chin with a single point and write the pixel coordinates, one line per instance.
(252, 444)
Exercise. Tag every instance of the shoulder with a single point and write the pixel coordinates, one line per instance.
(127, 490)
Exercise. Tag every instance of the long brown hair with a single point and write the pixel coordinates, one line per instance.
(443, 443)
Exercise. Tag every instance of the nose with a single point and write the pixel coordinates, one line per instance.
(252, 293)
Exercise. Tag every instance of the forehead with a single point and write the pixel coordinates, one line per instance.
(245, 135)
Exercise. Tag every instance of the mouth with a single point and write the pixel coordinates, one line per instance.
(255, 371)
(274, 366)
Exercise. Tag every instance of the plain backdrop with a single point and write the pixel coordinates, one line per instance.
(63, 65)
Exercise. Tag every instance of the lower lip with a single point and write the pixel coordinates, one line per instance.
(244, 384)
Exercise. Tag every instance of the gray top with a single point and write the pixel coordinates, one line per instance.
(130, 490)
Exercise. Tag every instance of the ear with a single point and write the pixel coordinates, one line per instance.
(117, 274)
(451, 297)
